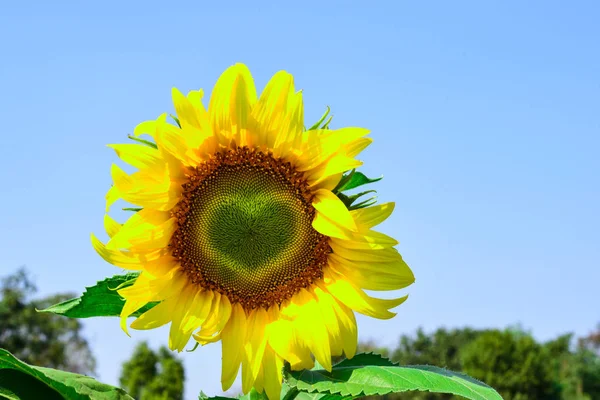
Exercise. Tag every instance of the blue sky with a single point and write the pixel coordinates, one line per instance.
(485, 115)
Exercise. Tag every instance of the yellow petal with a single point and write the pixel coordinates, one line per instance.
(179, 143)
(131, 306)
(256, 342)
(369, 217)
(329, 183)
(292, 128)
(383, 255)
(145, 128)
(145, 190)
(137, 155)
(391, 275)
(358, 300)
(195, 130)
(232, 341)
(325, 302)
(111, 226)
(288, 345)
(328, 204)
(116, 257)
(328, 227)
(319, 146)
(310, 327)
(273, 365)
(355, 147)
(270, 111)
(161, 265)
(152, 289)
(231, 101)
(200, 309)
(189, 116)
(367, 240)
(134, 303)
(348, 328)
(111, 196)
(178, 334)
(157, 316)
(146, 229)
(218, 318)
(333, 166)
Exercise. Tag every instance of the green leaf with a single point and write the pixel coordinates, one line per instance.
(352, 180)
(20, 381)
(100, 300)
(142, 141)
(358, 378)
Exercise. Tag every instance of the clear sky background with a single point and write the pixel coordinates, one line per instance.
(485, 115)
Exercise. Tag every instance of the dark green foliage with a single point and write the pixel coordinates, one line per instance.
(148, 375)
(513, 363)
(442, 348)
(40, 339)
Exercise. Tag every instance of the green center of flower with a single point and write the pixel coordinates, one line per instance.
(245, 229)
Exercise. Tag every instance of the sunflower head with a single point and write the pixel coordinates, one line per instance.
(241, 236)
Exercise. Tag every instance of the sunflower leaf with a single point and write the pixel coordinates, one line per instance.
(100, 300)
(366, 376)
(142, 141)
(22, 381)
(354, 179)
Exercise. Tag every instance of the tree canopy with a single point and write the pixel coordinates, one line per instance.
(46, 340)
(150, 375)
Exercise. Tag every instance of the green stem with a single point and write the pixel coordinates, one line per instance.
(291, 394)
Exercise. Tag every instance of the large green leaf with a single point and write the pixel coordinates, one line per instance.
(100, 300)
(358, 378)
(20, 381)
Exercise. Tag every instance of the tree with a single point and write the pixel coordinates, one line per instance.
(45, 340)
(441, 348)
(513, 363)
(151, 376)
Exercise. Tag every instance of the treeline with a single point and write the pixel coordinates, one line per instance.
(510, 360)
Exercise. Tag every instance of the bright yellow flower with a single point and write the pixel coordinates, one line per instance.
(240, 237)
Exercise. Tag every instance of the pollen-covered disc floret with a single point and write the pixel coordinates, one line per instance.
(240, 235)
(244, 229)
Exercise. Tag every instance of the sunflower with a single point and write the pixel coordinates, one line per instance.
(240, 237)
